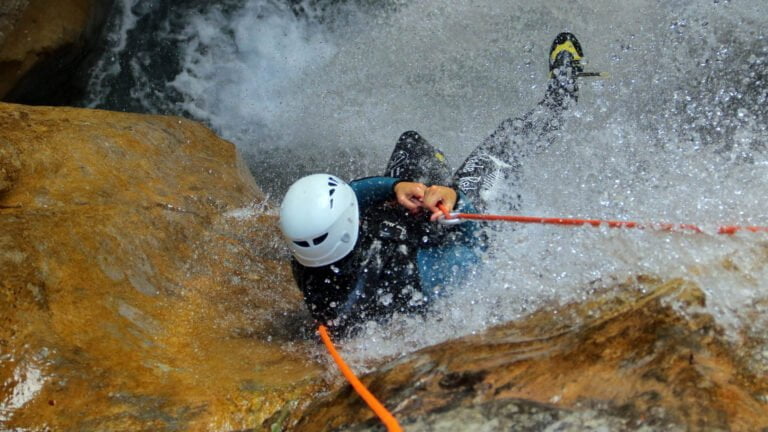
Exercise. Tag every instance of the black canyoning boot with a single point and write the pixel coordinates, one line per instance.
(565, 66)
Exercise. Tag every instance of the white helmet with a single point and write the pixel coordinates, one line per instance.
(320, 219)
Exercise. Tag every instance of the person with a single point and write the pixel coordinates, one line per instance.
(366, 249)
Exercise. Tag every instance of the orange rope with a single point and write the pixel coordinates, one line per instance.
(726, 229)
(386, 417)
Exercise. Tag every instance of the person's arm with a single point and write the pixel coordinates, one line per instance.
(372, 190)
(411, 195)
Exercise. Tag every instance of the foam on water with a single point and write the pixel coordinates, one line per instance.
(677, 134)
(239, 69)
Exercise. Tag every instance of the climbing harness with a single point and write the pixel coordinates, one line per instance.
(454, 218)
(386, 417)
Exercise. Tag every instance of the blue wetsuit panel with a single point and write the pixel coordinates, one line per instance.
(442, 265)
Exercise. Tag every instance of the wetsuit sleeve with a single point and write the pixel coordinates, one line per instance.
(463, 204)
(373, 190)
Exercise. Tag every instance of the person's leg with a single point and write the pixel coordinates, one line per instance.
(497, 160)
(415, 159)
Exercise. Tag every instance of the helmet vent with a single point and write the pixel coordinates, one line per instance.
(317, 240)
(301, 243)
(332, 183)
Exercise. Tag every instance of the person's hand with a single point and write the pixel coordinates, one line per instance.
(409, 195)
(435, 195)
(415, 196)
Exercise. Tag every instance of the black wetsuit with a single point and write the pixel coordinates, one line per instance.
(400, 262)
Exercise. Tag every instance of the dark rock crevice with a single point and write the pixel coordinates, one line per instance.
(50, 70)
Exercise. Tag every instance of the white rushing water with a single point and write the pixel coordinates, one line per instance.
(677, 134)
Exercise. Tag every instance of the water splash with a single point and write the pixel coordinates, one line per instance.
(676, 135)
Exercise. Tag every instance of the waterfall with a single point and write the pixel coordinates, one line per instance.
(676, 134)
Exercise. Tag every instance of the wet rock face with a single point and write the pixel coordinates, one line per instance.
(514, 415)
(640, 358)
(45, 47)
(143, 286)
(9, 166)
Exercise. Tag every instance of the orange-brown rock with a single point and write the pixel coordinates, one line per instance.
(144, 288)
(643, 358)
(134, 294)
(50, 34)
